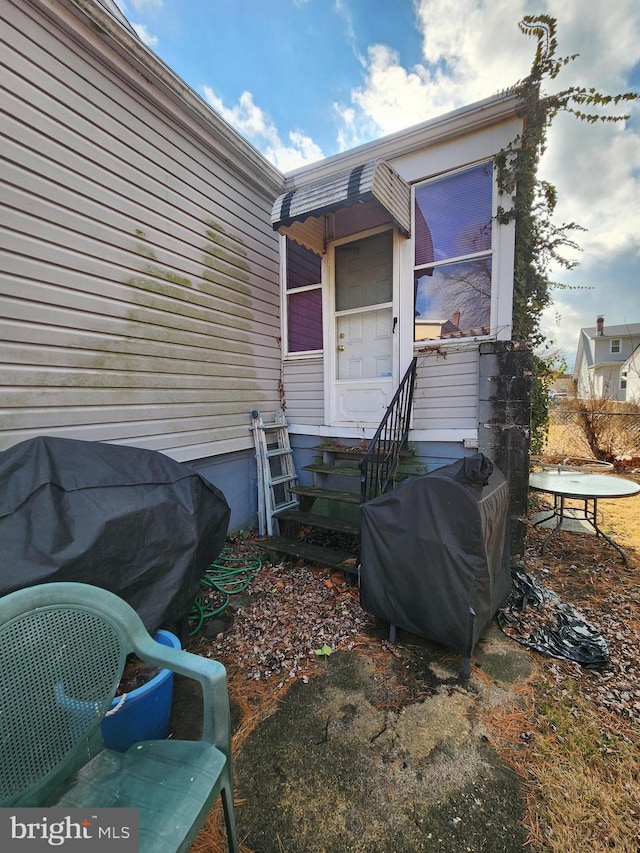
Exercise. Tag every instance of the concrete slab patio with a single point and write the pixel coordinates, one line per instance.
(371, 758)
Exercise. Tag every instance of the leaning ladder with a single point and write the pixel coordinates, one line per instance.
(275, 470)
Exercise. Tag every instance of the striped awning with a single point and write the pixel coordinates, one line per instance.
(301, 213)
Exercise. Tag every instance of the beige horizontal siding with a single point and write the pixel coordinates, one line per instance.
(446, 392)
(304, 383)
(138, 267)
(445, 396)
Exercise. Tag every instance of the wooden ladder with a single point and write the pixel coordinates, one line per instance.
(276, 473)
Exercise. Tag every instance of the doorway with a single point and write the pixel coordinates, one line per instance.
(363, 364)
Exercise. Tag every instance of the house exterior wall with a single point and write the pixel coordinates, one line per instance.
(599, 365)
(139, 280)
(140, 275)
(446, 398)
(631, 369)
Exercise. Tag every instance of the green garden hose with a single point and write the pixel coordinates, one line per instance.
(227, 576)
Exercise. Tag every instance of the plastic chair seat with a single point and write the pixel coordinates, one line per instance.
(172, 783)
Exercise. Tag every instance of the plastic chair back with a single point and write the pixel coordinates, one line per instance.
(60, 667)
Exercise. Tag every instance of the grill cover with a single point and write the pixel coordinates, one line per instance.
(434, 553)
(129, 520)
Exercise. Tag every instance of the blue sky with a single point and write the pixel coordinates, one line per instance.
(304, 79)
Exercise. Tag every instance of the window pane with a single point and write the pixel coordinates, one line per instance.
(305, 320)
(303, 266)
(453, 215)
(364, 272)
(453, 300)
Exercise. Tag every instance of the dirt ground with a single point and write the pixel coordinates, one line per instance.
(377, 748)
(381, 749)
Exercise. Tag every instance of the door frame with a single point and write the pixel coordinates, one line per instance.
(330, 342)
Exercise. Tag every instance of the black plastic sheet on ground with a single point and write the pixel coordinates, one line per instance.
(537, 618)
(130, 520)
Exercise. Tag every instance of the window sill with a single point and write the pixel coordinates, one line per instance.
(303, 356)
(437, 345)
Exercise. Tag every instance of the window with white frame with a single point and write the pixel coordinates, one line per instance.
(623, 380)
(453, 221)
(614, 346)
(303, 299)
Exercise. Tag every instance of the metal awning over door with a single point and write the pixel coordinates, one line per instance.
(338, 205)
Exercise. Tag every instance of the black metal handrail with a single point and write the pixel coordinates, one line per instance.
(378, 465)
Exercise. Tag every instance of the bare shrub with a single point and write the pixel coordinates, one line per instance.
(610, 428)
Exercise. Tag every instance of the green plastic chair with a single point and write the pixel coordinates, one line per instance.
(63, 648)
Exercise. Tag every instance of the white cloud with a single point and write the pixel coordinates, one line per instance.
(392, 98)
(254, 124)
(144, 35)
(596, 168)
(460, 64)
(561, 324)
(141, 29)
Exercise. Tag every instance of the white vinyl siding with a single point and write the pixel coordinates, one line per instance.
(304, 383)
(446, 392)
(138, 268)
(445, 397)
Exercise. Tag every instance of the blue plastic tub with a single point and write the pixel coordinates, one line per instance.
(144, 713)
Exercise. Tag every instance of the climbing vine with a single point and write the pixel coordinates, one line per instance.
(540, 242)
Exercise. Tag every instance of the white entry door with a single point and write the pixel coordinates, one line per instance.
(362, 366)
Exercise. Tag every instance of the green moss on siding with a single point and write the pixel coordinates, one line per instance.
(167, 275)
(238, 268)
(207, 319)
(155, 295)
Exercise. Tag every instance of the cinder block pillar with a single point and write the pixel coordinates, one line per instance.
(504, 428)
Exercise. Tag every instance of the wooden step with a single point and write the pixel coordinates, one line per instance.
(358, 452)
(316, 554)
(342, 470)
(326, 494)
(353, 452)
(314, 519)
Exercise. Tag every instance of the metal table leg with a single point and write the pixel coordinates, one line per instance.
(590, 517)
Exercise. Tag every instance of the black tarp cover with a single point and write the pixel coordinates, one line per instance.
(129, 520)
(434, 554)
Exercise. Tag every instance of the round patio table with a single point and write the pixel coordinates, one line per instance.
(588, 488)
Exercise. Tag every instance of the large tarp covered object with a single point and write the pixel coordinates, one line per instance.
(130, 520)
(435, 556)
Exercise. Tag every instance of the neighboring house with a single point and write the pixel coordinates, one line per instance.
(562, 387)
(630, 376)
(607, 362)
(161, 279)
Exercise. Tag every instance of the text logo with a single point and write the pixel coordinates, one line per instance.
(33, 830)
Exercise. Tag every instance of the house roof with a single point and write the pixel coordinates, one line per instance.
(113, 9)
(211, 127)
(625, 330)
(371, 182)
(470, 118)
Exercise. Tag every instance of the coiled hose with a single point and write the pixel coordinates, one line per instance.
(227, 576)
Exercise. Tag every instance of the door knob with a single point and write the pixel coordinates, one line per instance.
(340, 348)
